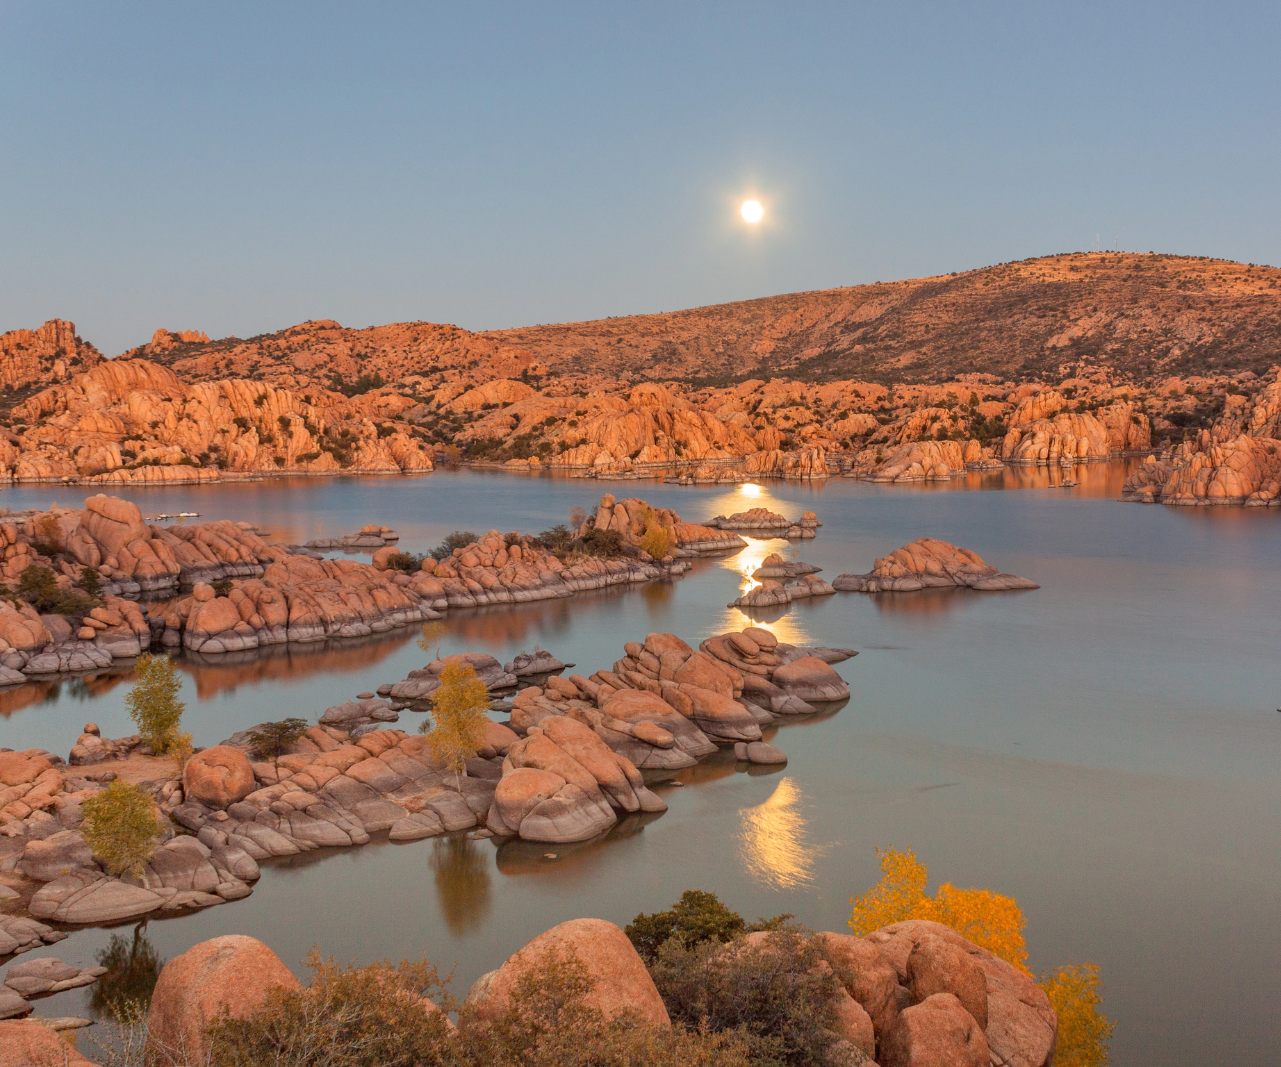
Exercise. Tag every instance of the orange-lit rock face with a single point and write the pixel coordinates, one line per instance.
(48, 354)
(133, 420)
(1057, 360)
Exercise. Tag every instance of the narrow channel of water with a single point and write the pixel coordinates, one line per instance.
(1105, 748)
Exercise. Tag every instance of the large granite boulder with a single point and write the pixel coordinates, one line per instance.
(218, 777)
(938, 1032)
(620, 981)
(232, 973)
(930, 563)
(1021, 1024)
(27, 1043)
(939, 966)
(810, 679)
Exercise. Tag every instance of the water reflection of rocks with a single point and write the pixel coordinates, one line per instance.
(516, 856)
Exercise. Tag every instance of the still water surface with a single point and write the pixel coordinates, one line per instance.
(1105, 748)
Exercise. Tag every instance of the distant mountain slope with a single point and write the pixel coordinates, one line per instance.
(325, 354)
(1136, 316)
(1143, 316)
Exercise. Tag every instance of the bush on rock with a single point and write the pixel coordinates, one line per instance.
(120, 827)
(153, 702)
(456, 730)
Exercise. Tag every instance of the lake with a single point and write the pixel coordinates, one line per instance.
(1106, 748)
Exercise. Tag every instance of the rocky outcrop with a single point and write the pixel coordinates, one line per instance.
(21, 934)
(772, 594)
(278, 593)
(929, 460)
(1020, 1028)
(1243, 470)
(807, 463)
(419, 686)
(768, 523)
(368, 537)
(1237, 461)
(51, 353)
(774, 566)
(132, 420)
(620, 983)
(231, 975)
(930, 563)
(631, 518)
(28, 1043)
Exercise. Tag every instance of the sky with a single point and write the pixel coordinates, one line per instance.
(238, 168)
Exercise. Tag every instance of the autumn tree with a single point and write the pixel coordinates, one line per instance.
(456, 727)
(153, 702)
(993, 922)
(430, 637)
(894, 897)
(1084, 1031)
(120, 827)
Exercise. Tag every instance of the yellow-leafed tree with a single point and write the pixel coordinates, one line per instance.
(153, 702)
(120, 826)
(996, 923)
(456, 729)
(1084, 1031)
(895, 897)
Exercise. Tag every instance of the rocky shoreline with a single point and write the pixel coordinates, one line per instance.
(219, 587)
(928, 563)
(911, 994)
(571, 761)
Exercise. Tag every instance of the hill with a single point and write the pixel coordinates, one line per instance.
(1138, 317)
(1062, 358)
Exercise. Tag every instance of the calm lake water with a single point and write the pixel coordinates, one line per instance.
(1106, 748)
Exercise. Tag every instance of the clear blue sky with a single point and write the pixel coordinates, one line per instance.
(238, 168)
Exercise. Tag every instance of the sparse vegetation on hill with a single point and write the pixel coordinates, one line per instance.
(1129, 351)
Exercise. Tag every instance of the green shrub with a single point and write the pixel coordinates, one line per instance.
(457, 539)
(695, 918)
(777, 996)
(39, 587)
(91, 582)
(120, 826)
(406, 561)
(607, 544)
(557, 537)
(373, 1017)
(222, 587)
(272, 738)
(153, 702)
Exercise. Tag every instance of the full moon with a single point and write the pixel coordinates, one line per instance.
(752, 210)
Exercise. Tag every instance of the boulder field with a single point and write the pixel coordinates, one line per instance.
(764, 521)
(566, 767)
(927, 563)
(1237, 461)
(631, 517)
(273, 593)
(913, 994)
(798, 581)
